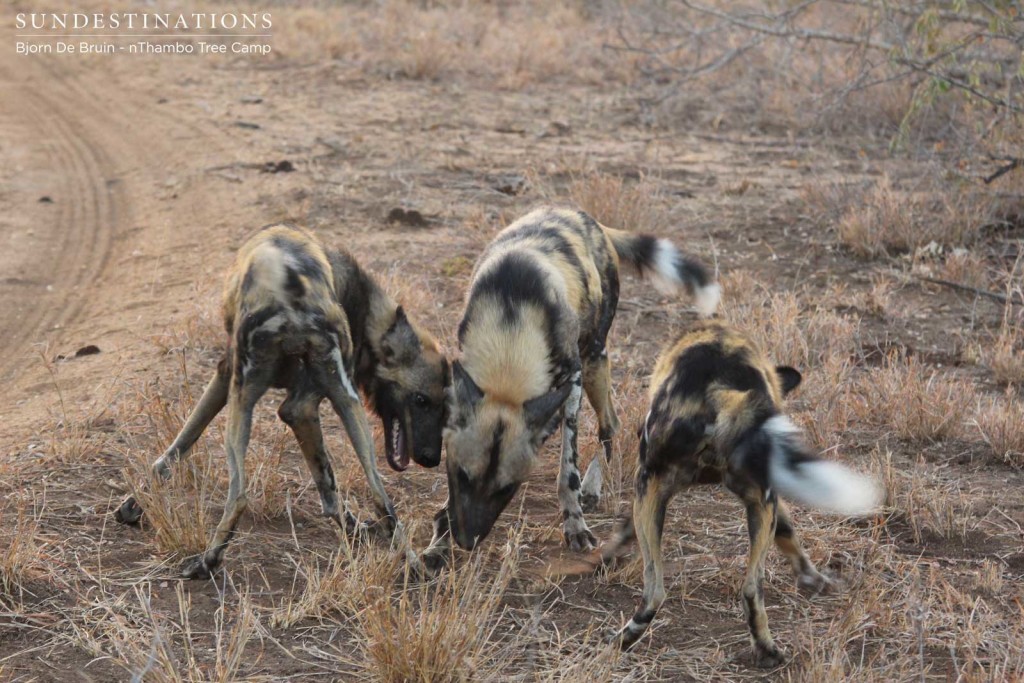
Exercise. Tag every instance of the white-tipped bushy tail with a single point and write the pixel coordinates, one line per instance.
(706, 299)
(811, 481)
(667, 268)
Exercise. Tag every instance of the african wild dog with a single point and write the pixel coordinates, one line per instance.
(313, 322)
(716, 416)
(533, 338)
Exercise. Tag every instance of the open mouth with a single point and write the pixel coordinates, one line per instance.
(395, 447)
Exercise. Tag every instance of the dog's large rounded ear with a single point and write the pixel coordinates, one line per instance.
(399, 344)
(467, 393)
(790, 378)
(540, 411)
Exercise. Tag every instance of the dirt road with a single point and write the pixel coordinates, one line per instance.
(105, 211)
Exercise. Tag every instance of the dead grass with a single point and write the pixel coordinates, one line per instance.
(512, 47)
(618, 204)
(966, 267)
(150, 645)
(1000, 420)
(21, 553)
(178, 511)
(888, 220)
(1004, 356)
(443, 631)
(914, 401)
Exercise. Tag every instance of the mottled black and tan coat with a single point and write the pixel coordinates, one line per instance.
(311, 321)
(533, 340)
(716, 416)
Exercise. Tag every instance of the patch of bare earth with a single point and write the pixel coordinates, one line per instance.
(834, 255)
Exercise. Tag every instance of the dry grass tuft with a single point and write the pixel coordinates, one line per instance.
(915, 402)
(965, 267)
(789, 332)
(178, 510)
(151, 645)
(341, 586)
(508, 46)
(21, 553)
(617, 204)
(888, 220)
(441, 631)
(1001, 424)
(1004, 356)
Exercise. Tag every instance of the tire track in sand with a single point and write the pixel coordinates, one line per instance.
(86, 220)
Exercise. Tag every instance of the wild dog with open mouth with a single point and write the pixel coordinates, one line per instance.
(313, 322)
(716, 416)
(533, 338)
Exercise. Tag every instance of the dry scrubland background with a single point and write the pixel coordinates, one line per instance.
(826, 157)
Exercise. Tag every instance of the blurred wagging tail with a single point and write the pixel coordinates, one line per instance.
(716, 416)
(533, 339)
(313, 322)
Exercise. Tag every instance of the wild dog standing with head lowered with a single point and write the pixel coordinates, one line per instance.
(313, 322)
(716, 416)
(533, 339)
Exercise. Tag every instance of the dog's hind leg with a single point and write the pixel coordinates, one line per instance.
(244, 392)
(807, 575)
(213, 400)
(597, 382)
(761, 529)
(301, 412)
(653, 494)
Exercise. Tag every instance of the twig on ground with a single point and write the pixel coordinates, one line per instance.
(995, 296)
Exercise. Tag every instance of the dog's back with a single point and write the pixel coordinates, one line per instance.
(716, 415)
(707, 392)
(279, 295)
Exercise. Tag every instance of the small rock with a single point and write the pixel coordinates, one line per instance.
(511, 185)
(46, 199)
(251, 99)
(556, 129)
(247, 125)
(410, 217)
(283, 166)
(88, 350)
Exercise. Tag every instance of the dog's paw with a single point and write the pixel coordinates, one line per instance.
(590, 501)
(129, 513)
(196, 568)
(432, 562)
(579, 539)
(767, 656)
(816, 583)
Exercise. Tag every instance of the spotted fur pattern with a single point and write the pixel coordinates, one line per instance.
(311, 321)
(716, 416)
(533, 339)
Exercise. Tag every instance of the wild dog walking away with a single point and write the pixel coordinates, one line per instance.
(313, 322)
(716, 416)
(533, 339)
